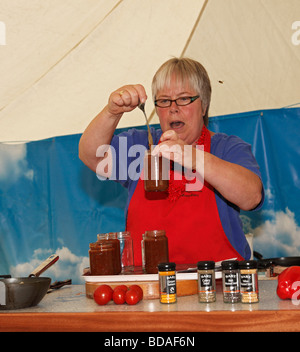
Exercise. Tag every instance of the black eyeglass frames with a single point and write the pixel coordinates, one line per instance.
(182, 101)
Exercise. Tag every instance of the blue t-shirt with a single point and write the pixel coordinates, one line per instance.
(129, 148)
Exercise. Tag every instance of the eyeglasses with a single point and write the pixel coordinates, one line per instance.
(182, 101)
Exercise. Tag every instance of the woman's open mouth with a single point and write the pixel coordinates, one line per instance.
(176, 125)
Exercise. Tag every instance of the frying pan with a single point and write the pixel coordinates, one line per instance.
(280, 261)
(23, 292)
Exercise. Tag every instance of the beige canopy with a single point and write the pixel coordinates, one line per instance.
(59, 60)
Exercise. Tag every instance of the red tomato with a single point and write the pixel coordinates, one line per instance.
(138, 289)
(132, 297)
(123, 287)
(103, 294)
(119, 295)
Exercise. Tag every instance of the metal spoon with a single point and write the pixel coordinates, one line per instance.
(150, 139)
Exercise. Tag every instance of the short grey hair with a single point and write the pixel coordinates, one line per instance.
(185, 70)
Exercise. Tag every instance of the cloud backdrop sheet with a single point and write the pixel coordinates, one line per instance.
(51, 203)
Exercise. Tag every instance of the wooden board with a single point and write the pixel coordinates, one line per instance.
(150, 288)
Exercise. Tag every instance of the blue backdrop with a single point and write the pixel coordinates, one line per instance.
(50, 202)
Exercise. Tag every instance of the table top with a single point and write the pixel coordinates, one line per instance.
(67, 308)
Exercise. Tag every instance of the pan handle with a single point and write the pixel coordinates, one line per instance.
(45, 265)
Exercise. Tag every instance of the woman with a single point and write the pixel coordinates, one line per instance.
(201, 224)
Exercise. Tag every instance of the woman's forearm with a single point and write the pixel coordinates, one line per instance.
(99, 132)
(235, 183)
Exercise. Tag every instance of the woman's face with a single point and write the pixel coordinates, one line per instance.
(186, 121)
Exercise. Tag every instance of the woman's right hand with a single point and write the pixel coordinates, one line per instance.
(126, 99)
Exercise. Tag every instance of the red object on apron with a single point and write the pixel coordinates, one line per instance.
(191, 222)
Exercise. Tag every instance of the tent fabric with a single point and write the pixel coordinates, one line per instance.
(50, 202)
(63, 58)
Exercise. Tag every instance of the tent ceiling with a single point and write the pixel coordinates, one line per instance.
(63, 58)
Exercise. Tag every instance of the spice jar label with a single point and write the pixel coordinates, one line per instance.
(167, 286)
(206, 281)
(248, 282)
(231, 281)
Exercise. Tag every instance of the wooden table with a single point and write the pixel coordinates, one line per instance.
(68, 309)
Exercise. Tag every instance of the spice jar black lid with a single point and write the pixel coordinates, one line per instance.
(166, 266)
(248, 264)
(206, 265)
(230, 264)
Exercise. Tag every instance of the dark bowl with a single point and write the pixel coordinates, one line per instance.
(22, 292)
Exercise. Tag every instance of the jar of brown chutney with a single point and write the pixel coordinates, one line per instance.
(156, 250)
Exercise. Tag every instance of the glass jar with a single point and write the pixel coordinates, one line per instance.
(112, 238)
(231, 281)
(155, 247)
(102, 258)
(126, 250)
(167, 282)
(206, 282)
(156, 173)
(249, 281)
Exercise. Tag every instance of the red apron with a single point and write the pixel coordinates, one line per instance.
(191, 222)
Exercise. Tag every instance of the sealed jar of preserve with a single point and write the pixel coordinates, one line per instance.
(156, 250)
(156, 173)
(112, 238)
(102, 256)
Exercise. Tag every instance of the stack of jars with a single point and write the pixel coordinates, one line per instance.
(111, 254)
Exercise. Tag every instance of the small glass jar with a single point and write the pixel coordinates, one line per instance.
(156, 173)
(206, 281)
(156, 250)
(112, 238)
(167, 282)
(249, 281)
(102, 257)
(231, 281)
(126, 249)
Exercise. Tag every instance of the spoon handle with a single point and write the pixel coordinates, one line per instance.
(150, 139)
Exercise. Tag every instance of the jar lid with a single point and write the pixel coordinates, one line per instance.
(123, 234)
(155, 233)
(102, 244)
(166, 266)
(248, 264)
(230, 264)
(206, 265)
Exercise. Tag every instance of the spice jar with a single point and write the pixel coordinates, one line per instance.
(249, 281)
(155, 247)
(167, 282)
(102, 256)
(156, 173)
(231, 281)
(206, 281)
